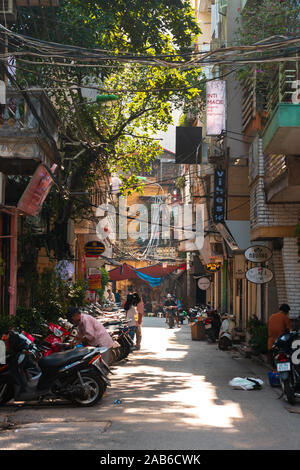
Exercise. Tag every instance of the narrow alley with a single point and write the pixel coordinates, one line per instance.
(172, 394)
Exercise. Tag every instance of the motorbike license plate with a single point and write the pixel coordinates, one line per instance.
(283, 366)
(207, 327)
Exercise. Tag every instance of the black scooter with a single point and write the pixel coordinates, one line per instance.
(286, 356)
(78, 375)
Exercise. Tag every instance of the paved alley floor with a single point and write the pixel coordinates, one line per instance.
(174, 394)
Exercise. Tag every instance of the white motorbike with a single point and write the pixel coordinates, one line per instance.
(226, 333)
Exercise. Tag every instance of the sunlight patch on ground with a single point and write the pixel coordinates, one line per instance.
(192, 400)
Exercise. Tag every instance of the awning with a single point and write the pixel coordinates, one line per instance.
(147, 273)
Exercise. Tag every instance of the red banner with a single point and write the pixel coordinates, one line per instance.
(36, 192)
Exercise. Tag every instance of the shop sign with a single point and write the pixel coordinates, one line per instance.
(227, 237)
(258, 254)
(215, 107)
(94, 249)
(203, 283)
(94, 281)
(259, 275)
(213, 267)
(219, 196)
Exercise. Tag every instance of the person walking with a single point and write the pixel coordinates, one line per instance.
(168, 304)
(138, 301)
(90, 331)
(131, 315)
(278, 324)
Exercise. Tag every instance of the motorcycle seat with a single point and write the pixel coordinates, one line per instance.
(62, 358)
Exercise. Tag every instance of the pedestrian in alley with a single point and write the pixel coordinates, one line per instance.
(90, 331)
(278, 324)
(131, 315)
(138, 301)
(169, 303)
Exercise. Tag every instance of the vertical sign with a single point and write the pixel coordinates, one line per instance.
(215, 107)
(37, 190)
(219, 196)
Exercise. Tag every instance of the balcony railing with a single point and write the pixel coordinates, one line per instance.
(254, 104)
(283, 85)
(275, 167)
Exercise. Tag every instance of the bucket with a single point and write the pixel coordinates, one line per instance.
(274, 379)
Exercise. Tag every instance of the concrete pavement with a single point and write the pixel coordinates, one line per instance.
(174, 395)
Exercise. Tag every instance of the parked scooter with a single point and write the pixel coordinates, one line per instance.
(119, 333)
(78, 375)
(182, 315)
(285, 357)
(212, 325)
(226, 332)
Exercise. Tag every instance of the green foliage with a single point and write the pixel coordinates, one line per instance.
(259, 335)
(114, 135)
(31, 321)
(52, 296)
(104, 282)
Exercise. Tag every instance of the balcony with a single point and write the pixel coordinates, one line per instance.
(282, 131)
(253, 106)
(282, 178)
(25, 142)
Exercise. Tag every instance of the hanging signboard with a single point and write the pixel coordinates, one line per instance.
(219, 196)
(94, 281)
(203, 283)
(94, 249)
(215, 107)
(213, 267)
(227, 236)
(37, 190)
(239, 267)
(258, 254)
(259, 275)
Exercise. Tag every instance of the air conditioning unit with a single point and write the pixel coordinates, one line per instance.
(8, 10)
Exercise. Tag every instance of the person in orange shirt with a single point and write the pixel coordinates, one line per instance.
(278, 324)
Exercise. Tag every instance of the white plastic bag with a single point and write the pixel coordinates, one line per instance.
(248, 383)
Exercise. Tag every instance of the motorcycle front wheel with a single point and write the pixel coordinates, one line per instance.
(95, 386)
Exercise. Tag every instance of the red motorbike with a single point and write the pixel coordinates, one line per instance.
(55, 341)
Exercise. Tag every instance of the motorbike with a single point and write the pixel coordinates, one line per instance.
(212, 325)
(118, 330)
(284, 355)
(172, 312)
(79, 375)
(226, 332)
(182, 314)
